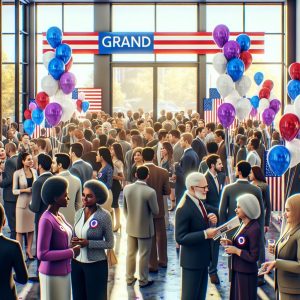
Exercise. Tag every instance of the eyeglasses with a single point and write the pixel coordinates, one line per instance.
(202, 187)
(88, 196)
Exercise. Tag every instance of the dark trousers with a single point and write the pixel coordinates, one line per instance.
(89, 280)
(10, 211)
(214, 248)
(194, 284)
(158, 253)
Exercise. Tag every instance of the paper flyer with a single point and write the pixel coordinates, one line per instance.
(233, 223)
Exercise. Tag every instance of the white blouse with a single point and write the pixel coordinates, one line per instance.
(81, 229)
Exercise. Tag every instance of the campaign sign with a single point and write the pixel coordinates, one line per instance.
(125, 42)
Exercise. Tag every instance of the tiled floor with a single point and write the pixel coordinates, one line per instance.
(167, 281)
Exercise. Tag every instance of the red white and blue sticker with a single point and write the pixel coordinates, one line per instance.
(241, 240)
(93, 223)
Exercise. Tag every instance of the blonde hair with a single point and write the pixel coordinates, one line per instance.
(294, 203)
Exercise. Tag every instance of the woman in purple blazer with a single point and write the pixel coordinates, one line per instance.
(53, 247)
(244, 248)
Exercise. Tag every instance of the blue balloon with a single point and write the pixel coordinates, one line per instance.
(37, 116)
(279, 159)
(293, 88)
(244, 42)
(63, 52)
(85, 106)
(29, 126)
(56, 68)
(258, 78)
(255, 101)
(54, 36)
(235, 69)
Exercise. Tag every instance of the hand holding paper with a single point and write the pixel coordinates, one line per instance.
(231, 224)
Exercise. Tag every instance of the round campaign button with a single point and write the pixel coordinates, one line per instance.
(241, 240)
(62, 228)
(93, 223)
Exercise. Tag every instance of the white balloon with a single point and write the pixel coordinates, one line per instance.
(47, 56)
(294, 146)
(49, 85)
(233, 98)
(263, 104)
(297, 106)
(225, 85)
(243, 109)
(243, 85)
(68, 108)
(289, 109)
(220, 63)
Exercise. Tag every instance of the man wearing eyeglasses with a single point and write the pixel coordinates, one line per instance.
(193, 234)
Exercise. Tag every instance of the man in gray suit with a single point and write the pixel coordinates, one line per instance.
(140, 204)
(80, 168)
(174, 139)
(9, 198)
(60, 166)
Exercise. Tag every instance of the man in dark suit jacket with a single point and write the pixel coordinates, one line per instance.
(9, 198)
(11, 257)
(193, 234)
(37, 205)
(220, 140)
(198, 144)
(212, 203)
(80, 168)
(159, 181)
(189, 162)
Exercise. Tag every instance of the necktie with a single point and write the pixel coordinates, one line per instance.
(203, 211)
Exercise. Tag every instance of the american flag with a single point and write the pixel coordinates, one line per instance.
(276, 184)
(164, 42)
(37, 131)
(92, 95)
(200, 42)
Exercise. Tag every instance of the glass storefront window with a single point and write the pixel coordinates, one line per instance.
(176, 88)
(78, 18)
(8, 91)
(48, 16)
(8, 18)
(8, 48)
(132, 88)
(231, 15)
(263, 18)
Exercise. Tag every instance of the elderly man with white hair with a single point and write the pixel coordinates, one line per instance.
(193, 234)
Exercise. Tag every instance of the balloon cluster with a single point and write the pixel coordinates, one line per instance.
(264, 103)
(81, 104)
(55, 102)
(232, 84)
(280, 158)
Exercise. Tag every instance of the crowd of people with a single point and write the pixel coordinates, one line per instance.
(65, 190)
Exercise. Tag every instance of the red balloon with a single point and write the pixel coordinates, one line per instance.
(27, 114)
(264, 93)
(246, 57)
(294, 70)
(289, 126)
(69, 65)
(268, 84)
(79, 105)
(42, 100)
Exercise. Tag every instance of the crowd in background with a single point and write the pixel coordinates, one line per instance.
(65, 187)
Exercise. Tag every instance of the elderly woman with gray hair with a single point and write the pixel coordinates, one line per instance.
(93, 233)
(244, 248)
